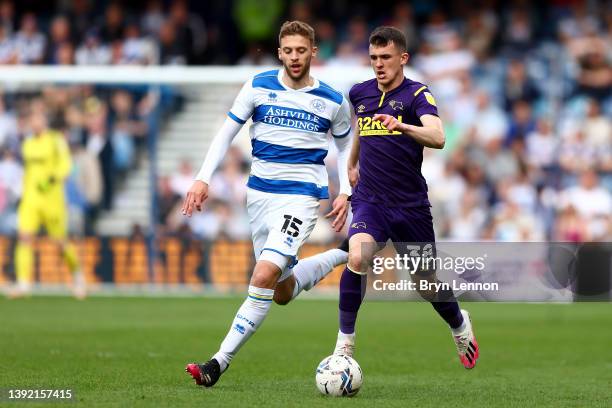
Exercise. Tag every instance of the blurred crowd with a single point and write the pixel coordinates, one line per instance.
(524, 92)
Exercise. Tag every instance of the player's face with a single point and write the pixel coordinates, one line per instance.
(388, 63)
(296, 52)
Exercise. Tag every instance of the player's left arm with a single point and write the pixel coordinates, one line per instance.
(341, 130)
(431, 134)
(60, 167)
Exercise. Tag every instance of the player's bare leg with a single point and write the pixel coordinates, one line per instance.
(247, 320)
(308, 272)
(362, 248)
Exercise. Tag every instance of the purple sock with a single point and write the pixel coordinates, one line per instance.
(352, 291)
(448, 308)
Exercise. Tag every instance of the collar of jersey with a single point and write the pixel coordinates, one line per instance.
(315, 85)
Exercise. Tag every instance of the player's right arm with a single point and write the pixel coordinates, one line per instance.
(237, 116)
(353, 161)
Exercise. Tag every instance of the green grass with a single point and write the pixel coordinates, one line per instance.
(132, 352)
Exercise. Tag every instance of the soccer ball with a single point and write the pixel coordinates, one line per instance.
(339, 376)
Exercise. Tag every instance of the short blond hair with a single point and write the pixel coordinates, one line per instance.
(297, 28)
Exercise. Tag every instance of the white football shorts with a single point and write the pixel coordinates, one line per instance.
(280, 224)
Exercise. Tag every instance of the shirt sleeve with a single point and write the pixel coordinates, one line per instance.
(63, 162)
(218, 149)
(343, 144)
(244, 104)
(424, 104)
(341, 124)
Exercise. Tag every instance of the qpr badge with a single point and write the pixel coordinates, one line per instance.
(318, 105)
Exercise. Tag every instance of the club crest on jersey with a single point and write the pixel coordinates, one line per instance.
(396, 105)
(272, 97)
(430, 98)
(359, 224)
(318, 105)
(360, 109)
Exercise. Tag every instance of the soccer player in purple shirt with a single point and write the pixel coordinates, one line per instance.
(396, 118)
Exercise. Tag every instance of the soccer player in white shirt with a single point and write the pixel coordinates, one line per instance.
(292, 113)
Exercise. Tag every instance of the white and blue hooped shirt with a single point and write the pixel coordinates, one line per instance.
(289, 132)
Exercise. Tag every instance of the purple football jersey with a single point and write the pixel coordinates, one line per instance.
(390, 163)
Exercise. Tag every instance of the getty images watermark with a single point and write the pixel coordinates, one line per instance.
(419, 262)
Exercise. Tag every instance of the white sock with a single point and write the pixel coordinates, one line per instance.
(348, 336)
(308, 272)
(459, 330)
(249, 317)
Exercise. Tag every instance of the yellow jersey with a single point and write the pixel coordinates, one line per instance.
(47, 163)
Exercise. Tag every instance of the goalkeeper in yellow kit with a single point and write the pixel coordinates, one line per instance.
(47, 163)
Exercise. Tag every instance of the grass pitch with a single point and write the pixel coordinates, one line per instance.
(132, 352)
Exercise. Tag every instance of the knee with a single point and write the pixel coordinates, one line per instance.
(265, 275)
(357, 262)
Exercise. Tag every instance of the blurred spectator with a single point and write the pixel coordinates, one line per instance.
(576, 153)
(136, 49)
(86, 179)
(11, 173)
(519, 31)
(65, 54)
(402, 17)
(593, 203)
(80, 17)
(326, 40)
(490, 122)
(167, 200)
(542, 145)
(181, 181)
(190, 30)
(59, 36)
(171, 52)
(8, 128)
(111, 28)
(480, 31)
(99, 145)
(470, 218)
(449, 60)
(570, 227)
(521, 122)
(127, 130)
(230, 182)
(517, 86)
(597, 127)
(92, 52)
(29, 42)
(7, 16)
(8, 52)
(219, 222)
(595, 76)
(153, 18)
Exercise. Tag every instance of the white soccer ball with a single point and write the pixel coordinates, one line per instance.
(339, 376)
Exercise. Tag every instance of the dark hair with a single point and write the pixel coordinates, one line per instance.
(382, 35)
(297, 28)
